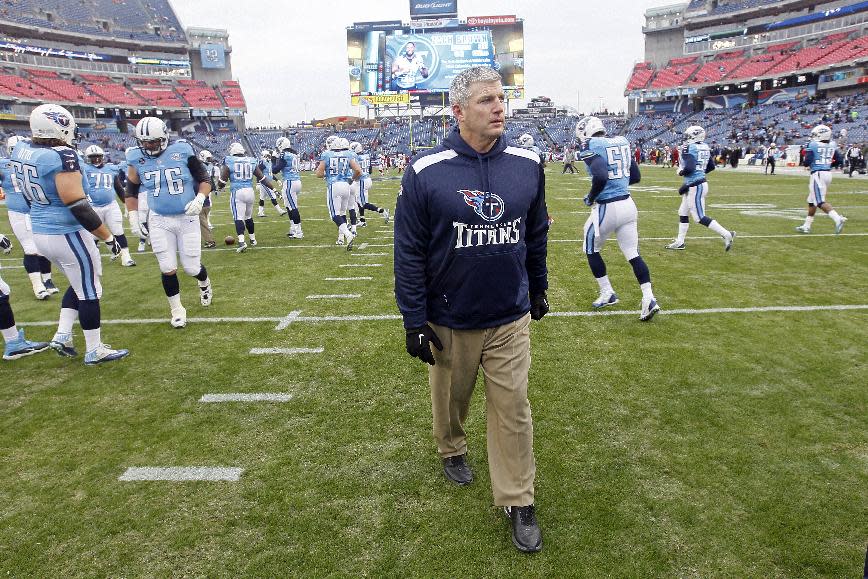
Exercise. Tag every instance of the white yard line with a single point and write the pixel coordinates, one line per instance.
(247, 397)
(333, 296)
(358, 254)
(285, 351)
(740, 236)
(181, 473)
(361, 265)
(284, 322)
(378, 317)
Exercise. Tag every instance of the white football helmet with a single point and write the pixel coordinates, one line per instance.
(12, 141)
(588, 127)
(236, 149)
(694, 134)
(92, 152)
(266, 155)
(152, 136)
(53, 122)
(282, 144)
(356, 147)
(330, 142)
(821, 133)
(343, 144)
(205, 156)
(525, 141)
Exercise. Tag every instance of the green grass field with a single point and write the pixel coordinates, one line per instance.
(706, 443)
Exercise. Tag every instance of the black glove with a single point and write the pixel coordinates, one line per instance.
(418, 340)
(539, 306)
(114, 245)
(683, 189)
(587, 200)
(5, 243)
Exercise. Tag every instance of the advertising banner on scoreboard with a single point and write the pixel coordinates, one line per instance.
(433, 8)
(426, 60)
(213, 55)
(381, 99)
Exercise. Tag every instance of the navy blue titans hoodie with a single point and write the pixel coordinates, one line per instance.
(470, 236)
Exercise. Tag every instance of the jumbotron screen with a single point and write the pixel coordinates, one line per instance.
(396, 58)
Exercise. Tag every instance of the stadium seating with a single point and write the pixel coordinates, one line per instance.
(715, 70)
(673, 76)
(641, 75)
(757, 66)
(200, 96)
(146, 20)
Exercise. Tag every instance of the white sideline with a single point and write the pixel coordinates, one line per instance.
(287, 351)
(248, 397)
(181, 473)
(377, 317)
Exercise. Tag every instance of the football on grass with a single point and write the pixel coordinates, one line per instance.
(229, 240)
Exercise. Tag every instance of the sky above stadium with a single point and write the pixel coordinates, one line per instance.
(292, 63)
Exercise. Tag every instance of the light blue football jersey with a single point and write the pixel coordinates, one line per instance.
(35, 167)
(823, 155)
(15, 200)
(364, 161)
(166, 179)
(615, 151)
(241, 171)
(290, 170)
(337, 166)
(701, 153)
(100, 183)
(265, 166)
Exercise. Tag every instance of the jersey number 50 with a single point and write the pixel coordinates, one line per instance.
(619, 161)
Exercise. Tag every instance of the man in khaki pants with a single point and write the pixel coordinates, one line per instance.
(471, 229)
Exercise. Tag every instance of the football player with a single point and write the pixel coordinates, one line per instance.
(612, 168)
(526, 142)
(239, 170)
(48, 172)
(100, 182)
(360, 188)
(205, 226)
(19, 219)
(822, 152)
(265, 168)
(287, 162)
(339, 168)
(16, 345)
(694, 164)
(176, 185)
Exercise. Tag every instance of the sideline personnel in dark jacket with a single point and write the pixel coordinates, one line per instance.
(471, 229)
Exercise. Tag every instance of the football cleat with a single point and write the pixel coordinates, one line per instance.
(840, 225)
(676, 245)
(281, 211)
(386, 215)
(350, 243)
(141, 246)
(42, 294)
(242, 247)
(210, 244)
(803, 229)
(179, 318)
(252, 243)
(340, 240)
(20, 347)
(362, 222)
(114, 256)
(205, 295)
(607, 298)
(49, 285)
(104, 353)
(649, 308)
(129, 262)
(728, 242)
(62, 344)
(261, 212)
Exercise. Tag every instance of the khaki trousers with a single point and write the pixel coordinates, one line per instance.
(504, 354)
(207, 236)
